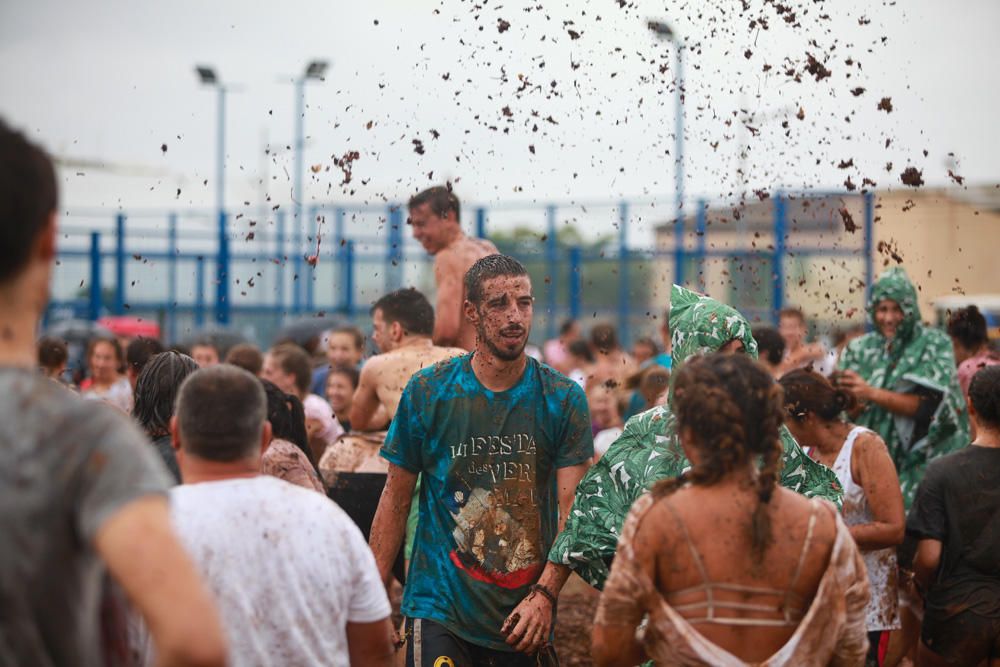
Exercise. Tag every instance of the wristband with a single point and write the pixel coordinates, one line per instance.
(538, 588)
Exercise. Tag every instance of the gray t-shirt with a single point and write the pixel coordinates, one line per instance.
(66, 466)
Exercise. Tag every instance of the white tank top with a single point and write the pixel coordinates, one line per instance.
(882, 612)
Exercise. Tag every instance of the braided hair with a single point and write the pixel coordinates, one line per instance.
(734, 409)
(288, 420)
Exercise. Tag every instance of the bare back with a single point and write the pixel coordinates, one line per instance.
(450, 267)
(394, 369)
(716, 523)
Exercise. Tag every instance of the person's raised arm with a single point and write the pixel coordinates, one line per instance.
(144, 556)
(389, 524)
(365, 413)
(876, 474)
(450, 295)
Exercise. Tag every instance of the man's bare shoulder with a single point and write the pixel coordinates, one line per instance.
(409, 360)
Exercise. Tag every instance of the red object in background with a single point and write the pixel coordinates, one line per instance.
(130, 326)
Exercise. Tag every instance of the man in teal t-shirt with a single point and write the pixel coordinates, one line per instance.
(500, 442)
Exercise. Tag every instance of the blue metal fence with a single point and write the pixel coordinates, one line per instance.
(156, 264)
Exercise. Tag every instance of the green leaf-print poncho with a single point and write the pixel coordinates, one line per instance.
(917, 356)
(649, 449)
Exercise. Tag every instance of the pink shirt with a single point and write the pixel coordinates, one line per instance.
(970, 366)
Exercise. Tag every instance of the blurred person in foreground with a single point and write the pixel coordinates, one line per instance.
(873, 502)
(106, 382)
(903, 377)
(139, 351)
(247, 356)
(771, 347)
(786, 586)
(969, 336)
(79, 481)
(288, 456)
(434, 217)
(345, 346)
(155, 394)
(649, 449)
(53, 354)
(295, 581)
(287, 365)
(500, 441)
(956, 518)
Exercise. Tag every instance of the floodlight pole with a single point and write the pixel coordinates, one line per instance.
(664, 32)
(208, 76)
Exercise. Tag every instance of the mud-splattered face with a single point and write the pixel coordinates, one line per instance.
(888, 317)
(503, 317)
(385, 334)
(431, 230)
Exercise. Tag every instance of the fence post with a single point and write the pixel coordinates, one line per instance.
(172, 278)
(199, 292)
(869, 202)
(701, 228)
(279, 267)
(778, 261)
(394, 255)
(551, 267)
(679, 249)
(222, 273)
(575, 282)
(94, 306)
(348, 268)
(624, 299)
(481, 222)
(120, 264)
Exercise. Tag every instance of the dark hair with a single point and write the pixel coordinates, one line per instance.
(579, 348)
(734, 409)
(220, 413)
(206, 342)
(28, 196)
(356, 333)
(487, 268)
(52, 352)
(566, 326)
(113, 342)
(968, 326)
(604, 337)
(984, 394)
(247, 357)
(807, 392)
(792, 311)
(140, 351)
(293, 359)
(352, 374)
(156, 390)
(441, 199)
(288, 419)
(648, 342)
(770, 344)
(408, 307)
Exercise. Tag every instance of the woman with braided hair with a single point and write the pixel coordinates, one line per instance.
(730, 567)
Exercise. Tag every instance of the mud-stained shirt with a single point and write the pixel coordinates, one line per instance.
(488, 509)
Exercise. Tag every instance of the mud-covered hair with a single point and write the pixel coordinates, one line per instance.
(734, 409)
(156, 390)
(486, 268)
(807, 392)
(288, 419)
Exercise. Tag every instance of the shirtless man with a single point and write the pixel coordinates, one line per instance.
(434, 216)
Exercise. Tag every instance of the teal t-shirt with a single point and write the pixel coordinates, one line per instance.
(488, 499)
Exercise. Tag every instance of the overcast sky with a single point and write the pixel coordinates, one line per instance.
(574, 90)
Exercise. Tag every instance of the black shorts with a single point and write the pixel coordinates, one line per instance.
(430, 644)
(965, 638)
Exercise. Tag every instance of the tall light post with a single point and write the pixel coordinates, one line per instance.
(664, 32)
(315, 70)
(208, 77)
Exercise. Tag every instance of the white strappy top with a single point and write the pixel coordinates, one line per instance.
(830, 632)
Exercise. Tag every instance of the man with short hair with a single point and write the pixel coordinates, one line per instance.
(80, 487)
(500, 441)
(295, 581)
(205, 352)
(434, 217)
(247, 356)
